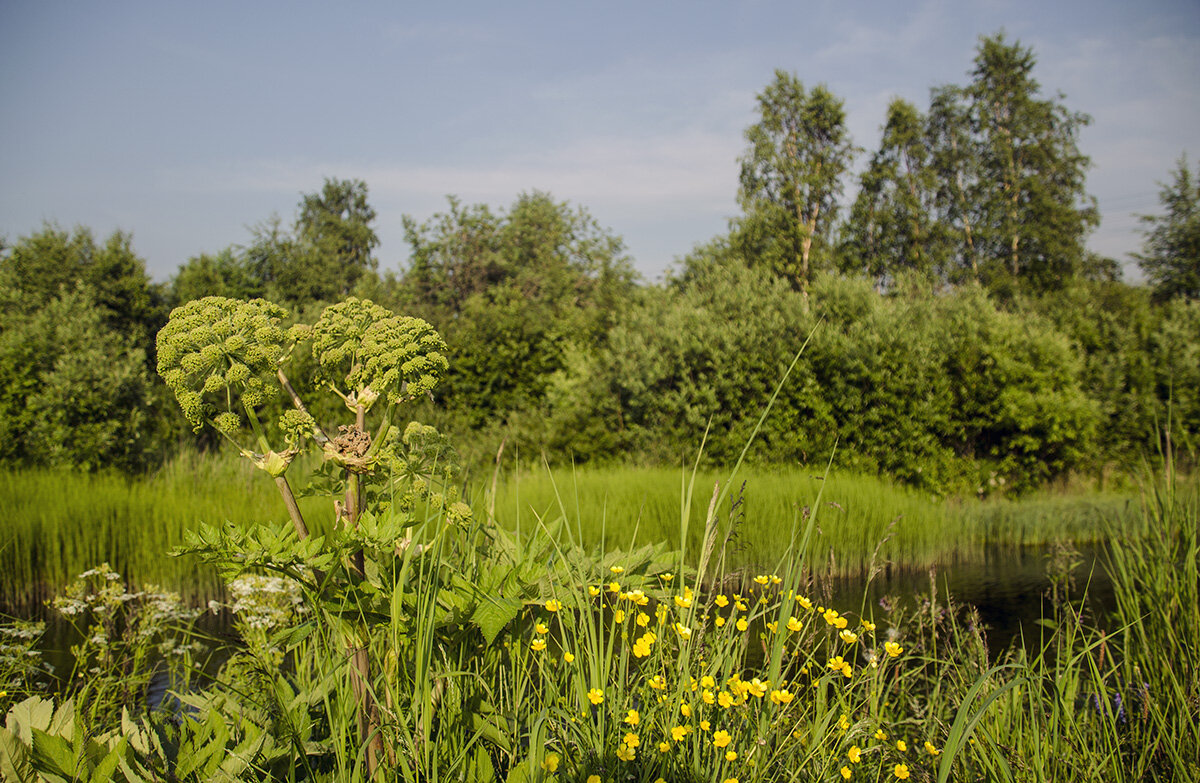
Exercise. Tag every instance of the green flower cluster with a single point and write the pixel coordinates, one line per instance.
(367, 351)
(216, 344)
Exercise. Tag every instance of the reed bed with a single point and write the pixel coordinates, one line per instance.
(58, 524)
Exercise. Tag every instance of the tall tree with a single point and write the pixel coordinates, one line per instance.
(1170, 256)
(1027, 186)
(892, 226)
(791, 176)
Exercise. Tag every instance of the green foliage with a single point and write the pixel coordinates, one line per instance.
(1170, 256)
(73, 392)
(226, 274)
(791, 176)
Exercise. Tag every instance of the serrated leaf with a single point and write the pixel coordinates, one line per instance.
(493, 613)
(53, 757)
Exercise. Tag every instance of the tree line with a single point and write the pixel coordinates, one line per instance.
(964, 339)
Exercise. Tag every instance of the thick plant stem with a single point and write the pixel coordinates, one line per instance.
(360, 657)
(289, 500)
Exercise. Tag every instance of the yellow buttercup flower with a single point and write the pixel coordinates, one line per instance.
(679, 732)
(626, 753)
(721, 739)
(846, 773)
(642, 619)
(568, 656)
(757, 688)
(868, 625)
(618, 570)
(794, 625)
(632, 740)
(775, 579)
(721, 601)
(614, 587)
(658, 683)
(664, 746)
(849, 637)
(854, 754)
(731, 755)
(538, 645)
(931, 749)
(708, 697)
(781, 696)
(762, 579)
(593, 591)
(720, 621)
(550, 763)
(594, 779)
(901, 771)
(667, 577)
(844, 722)
(892, 649)
(705, 725)
(682, 602)
(619, 616)
(881, 735)
(683, 630)
(901, 746)
(553, 605)
(596, 696)
(724, 699)
(742, 625)
(632, 717)
(707, 681)
(807, 604)
(773, 626)
(541, 628)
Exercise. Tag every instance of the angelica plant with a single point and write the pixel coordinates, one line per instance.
(225, 359)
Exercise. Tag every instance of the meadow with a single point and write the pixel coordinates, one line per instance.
(61, 523)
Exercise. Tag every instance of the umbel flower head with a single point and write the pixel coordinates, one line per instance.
(363, 351)
(218, 345)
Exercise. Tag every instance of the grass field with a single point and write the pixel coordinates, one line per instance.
(60, 523)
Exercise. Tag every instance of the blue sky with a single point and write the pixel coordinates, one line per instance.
(186, 123)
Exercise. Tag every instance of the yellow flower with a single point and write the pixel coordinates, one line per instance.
(846, 773)
(721, 739)
(724, 699)
(720, 621)
(550, 763)
(731, 755)
(773, 627)
(757, 688)
(541, 628)
(679, 732)
(538, 645)
(643, 619)
(596, 696)
(781, 696)
(892, 649)
(705, 725)
(618, 570)
(667, 577)
(594, 779)
(762, 579)
(849, 637)
(614, 587)
(664, 746)
(686, 709)
(868, 625)
(568, 657)
(682, 602)
(742, 625)
(619, 616)
(841, 622)
(632, 740)
(730, 780)
(741, 606)
(632, 717)
(707, 681)
(901, 771)
(658, 683)
(553, 605)
(854, 754)
(831, 616)
(931, 749)
(707, 697)
(794, 625)
(807, 604)
(683, 630)
(881, 735)
(721, 601)
(844, 722)
(593, 591)
(901, 746)
(626, 753)
(775, 579)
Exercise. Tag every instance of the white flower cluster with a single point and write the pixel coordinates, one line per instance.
(265, 602)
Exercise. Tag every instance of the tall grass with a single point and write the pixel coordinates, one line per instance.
(57, 524)
(860, 516)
